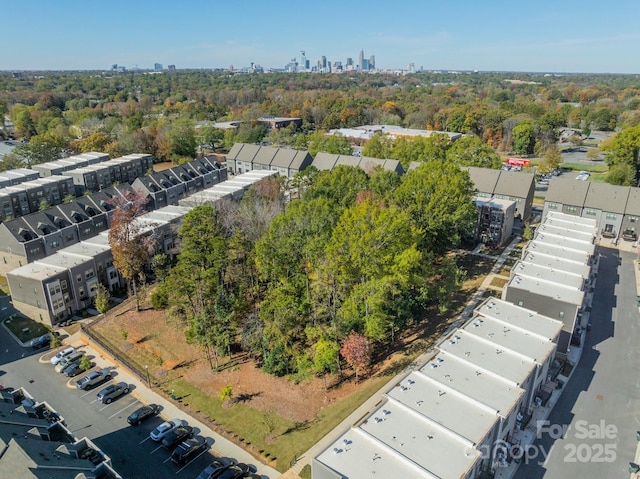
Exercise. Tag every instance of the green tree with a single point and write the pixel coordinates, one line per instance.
(472, 151)
(102, 299)
(379, 146)
(438, 199)
(551, 160)
(523, 137)
(622, 175)
(340, 185)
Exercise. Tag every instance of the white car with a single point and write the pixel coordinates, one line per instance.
(61, 354)
(165, 428)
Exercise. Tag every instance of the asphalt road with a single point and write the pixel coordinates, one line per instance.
(592, 429)
(133, 454)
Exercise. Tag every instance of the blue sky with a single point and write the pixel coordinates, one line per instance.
(516, 35)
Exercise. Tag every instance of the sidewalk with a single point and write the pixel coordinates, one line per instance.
(221, 446)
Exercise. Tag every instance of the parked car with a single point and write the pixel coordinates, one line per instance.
(61, 354)
(178, 435)
(72, 370)
(43, 341)
(231, 472)
(67, 360)
(93, 379)
(213, 470)
(188, 450)
(143, 413)
(163, 429)
(112, 392)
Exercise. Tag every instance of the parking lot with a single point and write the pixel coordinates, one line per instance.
(133, 453)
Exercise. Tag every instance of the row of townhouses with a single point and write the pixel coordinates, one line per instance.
(71, 177)
(57, 285)
(464, 412)
(616, 209)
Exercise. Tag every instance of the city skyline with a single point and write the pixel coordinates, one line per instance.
(504, 36)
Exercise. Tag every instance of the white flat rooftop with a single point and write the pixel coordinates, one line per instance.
(546, 288)
(526, 320)
(442, 405)
(38, 271)
(555, 228)
(489, 356)
(557, 263)
(66, 261)
(567, 242)
(394, 442)
(532, 270)
(556, 250)
(577, 220)
(496, 393)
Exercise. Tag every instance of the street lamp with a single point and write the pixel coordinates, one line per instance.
(147, 370)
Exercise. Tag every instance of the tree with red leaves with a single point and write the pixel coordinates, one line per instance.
(355, 349)
(131, 245)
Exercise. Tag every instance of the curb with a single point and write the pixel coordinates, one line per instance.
(24, 345)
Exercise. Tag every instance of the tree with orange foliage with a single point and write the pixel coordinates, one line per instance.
(131, 246)
(355, 350)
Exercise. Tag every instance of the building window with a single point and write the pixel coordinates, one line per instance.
(520, 303)
(55, 244)
(611, 216)
(79, 278)
(591, 212)
(561, 314)
(571, 209)
(553, 206)
(633, 219)
(63, 284)
(89, 273)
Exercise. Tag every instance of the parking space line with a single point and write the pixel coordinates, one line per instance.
(105, 407)
(144, 440)
(127, 406)
(159, 447)
(166, 460)
(179, 470)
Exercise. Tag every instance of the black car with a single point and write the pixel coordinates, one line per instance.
(188, 450)
(213, 470)
(72, 370)
(232, 472)
(43, 341)
(140, 414)
(177, 436)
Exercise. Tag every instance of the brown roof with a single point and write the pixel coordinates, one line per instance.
(514, 183)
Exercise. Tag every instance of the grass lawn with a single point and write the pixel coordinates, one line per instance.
(499, 282)
(4, 286)
(599, 167)
(25, 329)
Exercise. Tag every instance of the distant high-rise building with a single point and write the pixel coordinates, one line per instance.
(303, 60)
(372, 62)
(171, 68)
(157, 67)
(349, 61)
(412, 68)
(323, 59)
(361, 60)
(365, 65)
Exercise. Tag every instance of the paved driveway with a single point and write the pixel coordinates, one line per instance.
(601, 404)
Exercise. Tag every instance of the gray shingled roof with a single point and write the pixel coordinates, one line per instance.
(484, 179)
(247, 153)
(348, 160)
(235, 149)
(265, 155)
(301, 160)
(325, 161)
(567, 191)
(283, 157)
(514, 183)
(606, 197)
(633, 202)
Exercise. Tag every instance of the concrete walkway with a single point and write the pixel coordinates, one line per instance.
(370, 403)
